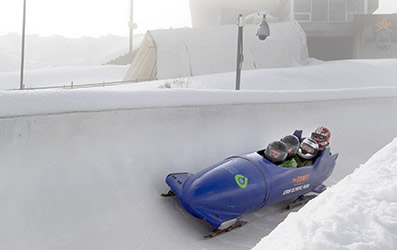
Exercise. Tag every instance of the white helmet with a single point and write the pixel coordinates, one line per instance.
(308, 149)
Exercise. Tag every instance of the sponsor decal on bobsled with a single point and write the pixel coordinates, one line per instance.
(241, 180)
(300, 180)
(296, 189)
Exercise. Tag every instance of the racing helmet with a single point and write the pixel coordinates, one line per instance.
(292, 143)
(321, 135)
(276, 152)
(308, 149)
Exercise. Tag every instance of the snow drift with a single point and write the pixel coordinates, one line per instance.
(357, 213)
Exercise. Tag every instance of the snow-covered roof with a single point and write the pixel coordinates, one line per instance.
(186, 52)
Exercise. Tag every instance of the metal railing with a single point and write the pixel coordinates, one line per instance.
(86, 85)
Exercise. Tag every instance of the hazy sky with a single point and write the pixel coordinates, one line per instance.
(74, 18)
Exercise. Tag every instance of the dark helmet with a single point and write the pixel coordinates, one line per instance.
(292, 143)
(276, 152)
(308, 149)
(321, 135)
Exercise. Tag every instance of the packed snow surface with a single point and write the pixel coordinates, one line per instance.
(357, 213)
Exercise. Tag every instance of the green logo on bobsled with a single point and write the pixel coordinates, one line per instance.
(241, 180)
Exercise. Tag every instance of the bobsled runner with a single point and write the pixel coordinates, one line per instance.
(241, 184)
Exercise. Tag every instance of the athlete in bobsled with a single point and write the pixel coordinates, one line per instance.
(240, 184)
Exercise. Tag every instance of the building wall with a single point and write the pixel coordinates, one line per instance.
(332, 26)
(330, 48)
(218, 12)
(375, 36)
(367, 37)
(327, 10)
(345, 29)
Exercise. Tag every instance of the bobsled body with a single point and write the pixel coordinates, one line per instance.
(221, 193)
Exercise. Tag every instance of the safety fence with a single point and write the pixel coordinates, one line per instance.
(72, 85)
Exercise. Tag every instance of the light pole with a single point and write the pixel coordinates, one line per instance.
(262, 33)
(23, 44)
(131, 25)
(240, 55)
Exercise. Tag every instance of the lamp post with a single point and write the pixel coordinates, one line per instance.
(240, 55)
(262, 33)
(131, 25)
(23, 44)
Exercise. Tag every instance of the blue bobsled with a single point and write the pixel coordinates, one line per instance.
(221, 193)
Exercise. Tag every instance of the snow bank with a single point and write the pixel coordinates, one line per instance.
(38, 102)
(316, 75)
(360, 212)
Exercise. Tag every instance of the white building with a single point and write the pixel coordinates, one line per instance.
(186, 52)
(332, 29)
(217, 12)
(328, 24)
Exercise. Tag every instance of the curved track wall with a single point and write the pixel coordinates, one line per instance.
(91, 180)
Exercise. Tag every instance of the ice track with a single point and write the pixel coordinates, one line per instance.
(91, 179)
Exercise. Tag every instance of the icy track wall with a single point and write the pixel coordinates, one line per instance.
(92, 179)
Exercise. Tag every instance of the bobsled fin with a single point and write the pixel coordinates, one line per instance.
(218, 219)
(334, 157)
(298, 133)
(216, 232)
(300, 201)
(175, 182)
(169, 194)
(319, 189)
